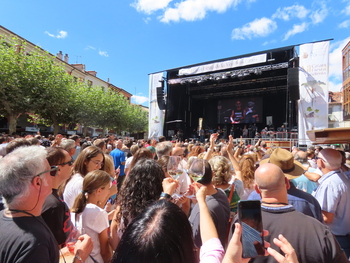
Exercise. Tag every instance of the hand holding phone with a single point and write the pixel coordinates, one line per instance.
(249, 214)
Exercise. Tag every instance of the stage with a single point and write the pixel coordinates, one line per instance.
(255, 90)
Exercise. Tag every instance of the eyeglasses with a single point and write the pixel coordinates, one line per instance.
(53, 171)
(70, 163)
(97, 163)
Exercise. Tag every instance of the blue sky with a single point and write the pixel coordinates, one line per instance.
(127, 40)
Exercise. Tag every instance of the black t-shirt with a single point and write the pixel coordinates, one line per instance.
(127, 153)
(57, 216)
(26, 239)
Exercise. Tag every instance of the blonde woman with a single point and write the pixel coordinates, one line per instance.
(221, 168)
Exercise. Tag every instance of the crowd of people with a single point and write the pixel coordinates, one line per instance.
(115, 200)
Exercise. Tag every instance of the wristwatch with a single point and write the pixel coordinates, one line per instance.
(165, 195)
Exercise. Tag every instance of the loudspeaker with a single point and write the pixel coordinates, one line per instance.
(293, 83)
(160, 96)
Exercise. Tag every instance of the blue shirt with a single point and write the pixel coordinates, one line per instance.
(300, 200)
(304, 184)
(118, 158)
(333, 194)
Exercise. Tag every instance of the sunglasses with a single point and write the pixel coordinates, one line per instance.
(70, 163)
(53, 171)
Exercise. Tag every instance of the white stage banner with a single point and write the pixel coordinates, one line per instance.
(228, 64)
(156, 116)
(313, 86)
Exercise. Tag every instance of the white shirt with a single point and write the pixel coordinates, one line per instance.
(93, 220)
(73, 188)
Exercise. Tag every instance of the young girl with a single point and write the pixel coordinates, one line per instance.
(87, 214)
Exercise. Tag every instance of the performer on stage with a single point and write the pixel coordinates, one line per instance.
(250, 114)
(237, 113)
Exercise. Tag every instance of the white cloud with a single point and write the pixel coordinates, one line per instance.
(320, 14)
(269, 42)
(147, 20)
(347, 10)
(334, 86)
(139, 99)
(296, 30)
(150, 6)
(90, 47)
(344, 24)
(192, 10)
(289, 12)
(61, 34)
(103, 53)
(257, 28)
(335, 60)
(50, 35)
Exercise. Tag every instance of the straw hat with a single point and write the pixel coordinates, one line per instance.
(284, 159)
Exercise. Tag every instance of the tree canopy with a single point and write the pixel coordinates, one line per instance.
(35, 82)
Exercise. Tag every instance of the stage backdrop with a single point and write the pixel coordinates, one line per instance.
(156, 116)
(313, 86)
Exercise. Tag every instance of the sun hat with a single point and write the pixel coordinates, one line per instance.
(284, 159)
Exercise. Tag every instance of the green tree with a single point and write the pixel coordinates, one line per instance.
(138, 119)
(29, 80)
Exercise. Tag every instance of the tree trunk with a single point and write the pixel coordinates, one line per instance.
(12, 120)
(85, 130)
(55, 127)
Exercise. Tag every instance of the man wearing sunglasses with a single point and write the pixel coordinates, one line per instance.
(55, 212)
(25, 182)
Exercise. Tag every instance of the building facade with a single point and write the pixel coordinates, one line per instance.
(346, 81)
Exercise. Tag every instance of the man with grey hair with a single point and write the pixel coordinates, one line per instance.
(164, 149)
(333, 194)
(25, 182)
(69, 145)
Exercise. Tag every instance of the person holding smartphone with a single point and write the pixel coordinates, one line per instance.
(312, 240)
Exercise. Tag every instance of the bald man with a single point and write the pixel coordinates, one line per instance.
(312, 240)
(333, 194)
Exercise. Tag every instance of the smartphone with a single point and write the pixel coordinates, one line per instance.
(249, 216)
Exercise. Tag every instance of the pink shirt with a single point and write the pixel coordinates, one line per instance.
(212, 251)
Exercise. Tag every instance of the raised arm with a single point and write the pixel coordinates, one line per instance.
(213, 138)
(207, 229)
(232, 158)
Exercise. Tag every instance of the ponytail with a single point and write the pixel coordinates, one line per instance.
(80, 203)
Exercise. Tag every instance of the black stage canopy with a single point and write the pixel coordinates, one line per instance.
(210, 91)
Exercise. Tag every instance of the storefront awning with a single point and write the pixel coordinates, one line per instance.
(330, 136)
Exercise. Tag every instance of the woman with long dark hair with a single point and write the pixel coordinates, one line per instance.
(141, 187)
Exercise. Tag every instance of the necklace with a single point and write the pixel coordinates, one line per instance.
(277, 203)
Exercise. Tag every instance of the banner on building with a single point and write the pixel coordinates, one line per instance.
(156, 116)
(313, 86)
(222, 65)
